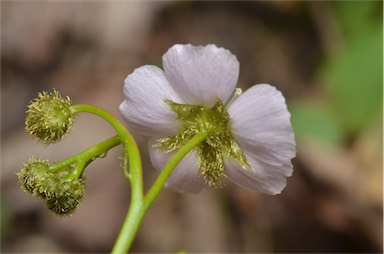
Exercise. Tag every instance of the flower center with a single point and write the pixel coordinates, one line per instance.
(218, 146)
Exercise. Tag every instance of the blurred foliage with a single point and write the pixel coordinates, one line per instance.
(356, 17)
(351, 79)
(316, 119)
(354, 80)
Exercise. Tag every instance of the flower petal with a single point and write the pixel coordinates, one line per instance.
(144, 108)
(262, 177)
(201, 74)
(261, 125)
(185, 177)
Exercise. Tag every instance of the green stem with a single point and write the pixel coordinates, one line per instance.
(135, 217)
(139, 204)
(78, 170)
(130, 148)
(135, 177)
(171, 165)
(88, 154)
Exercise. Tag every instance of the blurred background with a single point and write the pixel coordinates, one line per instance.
(326, 58)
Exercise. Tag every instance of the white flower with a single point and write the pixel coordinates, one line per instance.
(251, 141)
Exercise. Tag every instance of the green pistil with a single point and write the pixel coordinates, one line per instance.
(218, 146)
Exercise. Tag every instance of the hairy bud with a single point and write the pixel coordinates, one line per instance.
(63, 197)
(62, 194)
(49, 117)
(33, 172)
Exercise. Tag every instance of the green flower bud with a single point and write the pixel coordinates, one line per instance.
(33, 172)
(65, 196)
(49, 117)
(61, 194)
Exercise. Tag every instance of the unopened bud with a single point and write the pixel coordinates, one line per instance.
(64, 199)
(62, 195)
(49, 117)
(33, 172)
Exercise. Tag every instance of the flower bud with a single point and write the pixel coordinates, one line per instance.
(49, 117)
(61, 194)
(64, 196)
(33, 172)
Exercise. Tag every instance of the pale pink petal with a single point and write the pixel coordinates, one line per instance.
(260, 123)
(201, 74)
(262, 177)
(143, 107)
(185, 177)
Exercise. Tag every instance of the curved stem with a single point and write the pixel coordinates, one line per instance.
(154, 191)
(134, 176)
(130, 148)
(88, 154)
(139, 204)
(78, 170)
(134, 218)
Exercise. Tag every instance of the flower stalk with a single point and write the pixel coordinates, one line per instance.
(137, 210)
(89, 154)
(131, 149)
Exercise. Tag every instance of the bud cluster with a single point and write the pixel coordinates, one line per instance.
(49, 117)
(61, 193)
